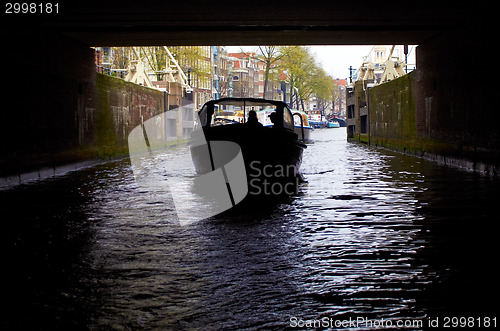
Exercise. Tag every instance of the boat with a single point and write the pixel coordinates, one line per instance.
(333, 124)
(316, 119)
(228, 117)
(271, 154)
(341, 121)
(301, 124)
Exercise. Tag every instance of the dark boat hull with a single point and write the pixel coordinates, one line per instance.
(270, 156)
(265, 146)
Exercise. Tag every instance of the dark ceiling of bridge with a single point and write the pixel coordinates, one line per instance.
(222, 22)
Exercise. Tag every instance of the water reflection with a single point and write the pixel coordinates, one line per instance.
(371, 234)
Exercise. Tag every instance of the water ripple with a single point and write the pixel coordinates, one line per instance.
(370, 234)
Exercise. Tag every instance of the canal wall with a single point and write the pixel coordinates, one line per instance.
(121, 106)
(48, 88)
(443, 111)
(456, 115)
(392, 122)
(404, 118)
(59, 114)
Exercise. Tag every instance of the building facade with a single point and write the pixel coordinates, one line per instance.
(358, 110)
(339, 98)
(248, 78)
(208, 72)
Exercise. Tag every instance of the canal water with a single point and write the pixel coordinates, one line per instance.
(371, 234)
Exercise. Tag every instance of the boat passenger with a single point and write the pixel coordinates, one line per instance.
(274, 119)
(252, 119)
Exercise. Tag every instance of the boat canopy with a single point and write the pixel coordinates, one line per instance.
(283, 114)
(302, 114)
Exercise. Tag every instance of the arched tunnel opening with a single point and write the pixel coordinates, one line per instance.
(56, 48)
(372, 237)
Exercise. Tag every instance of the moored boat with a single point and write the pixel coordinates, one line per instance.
(302, 126)
(333, 124)
(316, 119)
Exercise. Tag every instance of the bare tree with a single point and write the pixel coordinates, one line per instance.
(270, 56)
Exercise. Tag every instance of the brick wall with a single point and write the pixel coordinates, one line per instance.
(445, 110)
(56, 110)
(121, 106)
(392, 114)
(456, 112)
(49, 81)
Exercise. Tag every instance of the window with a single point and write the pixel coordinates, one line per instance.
(350, 111)
(364, 123)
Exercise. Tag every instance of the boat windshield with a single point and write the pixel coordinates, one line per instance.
(296, 119)
(235, 110)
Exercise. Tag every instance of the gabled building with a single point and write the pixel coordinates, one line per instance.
(339, 102)
(245, 73)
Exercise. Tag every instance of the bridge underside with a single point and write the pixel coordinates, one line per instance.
(222, 22)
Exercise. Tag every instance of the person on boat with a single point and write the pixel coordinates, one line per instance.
(274, 119)
(252, 119)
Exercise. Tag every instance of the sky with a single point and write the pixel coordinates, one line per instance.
(336, 60)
